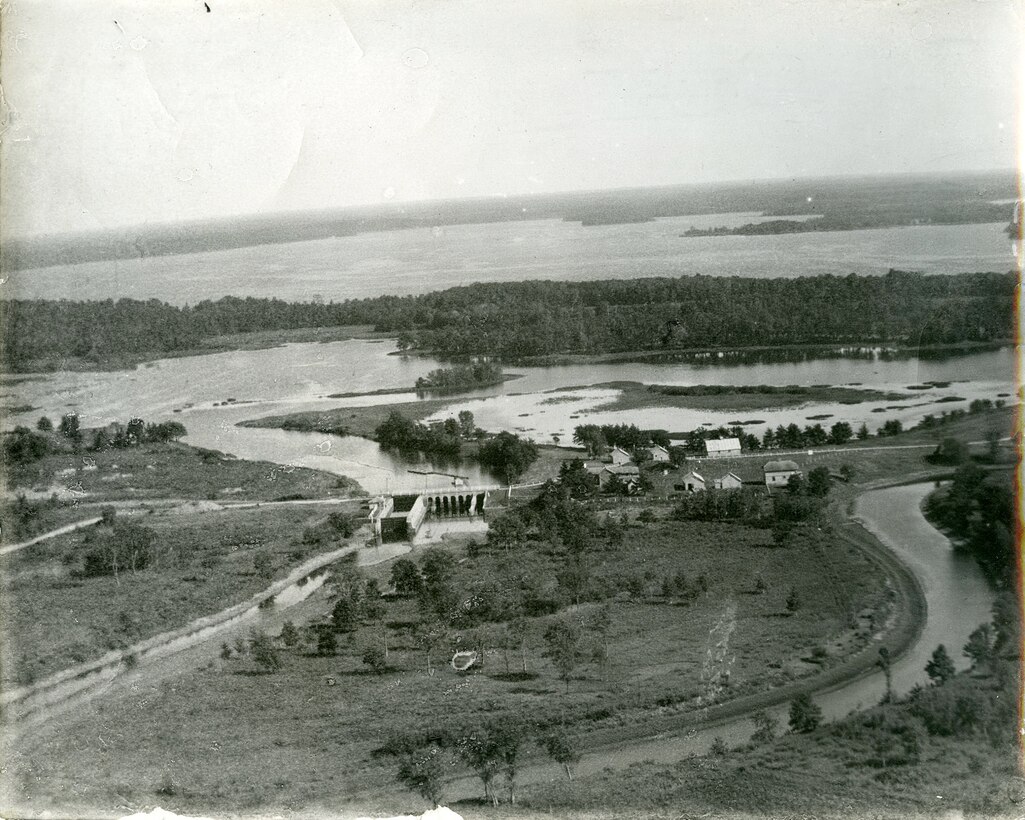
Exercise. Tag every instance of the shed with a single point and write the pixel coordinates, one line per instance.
(692, 482)
(730, 481)
(777, 473)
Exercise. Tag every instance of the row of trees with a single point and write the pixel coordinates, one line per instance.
(539, 318)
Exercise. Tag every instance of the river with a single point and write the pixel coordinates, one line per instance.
(196, 391)
(958, 600)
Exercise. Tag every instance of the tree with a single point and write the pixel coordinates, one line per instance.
(128, 547)
(373, 656)
(423, 772)
(765, 727)
(327, 643)
(562, 639)
(289, 634)
(263, 564)
(108, 516)
(940, 667)
(135, 430)
(560, 748)
(406, 578)
(980, 648)
(863, 432)
(847, 472)
(509, 738)
(480, 750)
(427, 635)
(22, 446)
(576, 480)
(805, 714)
(342, 523)
(466, 424)
(793, 601)
(819, 482)
(345, 614)
(44, 425)
(840, 433)
(262, 650)
(507, 455)
(950, 452)
(69, 427)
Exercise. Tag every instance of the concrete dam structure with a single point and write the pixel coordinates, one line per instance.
(399, 517)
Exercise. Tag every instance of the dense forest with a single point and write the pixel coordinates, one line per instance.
(539, 318)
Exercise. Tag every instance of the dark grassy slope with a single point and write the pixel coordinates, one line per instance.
(543, 318)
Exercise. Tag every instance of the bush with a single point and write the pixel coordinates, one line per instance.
(805, 714)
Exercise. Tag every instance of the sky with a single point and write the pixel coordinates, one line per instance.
(122, 112)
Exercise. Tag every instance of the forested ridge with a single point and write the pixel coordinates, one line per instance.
(538, 318)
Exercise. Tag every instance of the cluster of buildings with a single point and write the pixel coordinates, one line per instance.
(774, 474)
(621, 465)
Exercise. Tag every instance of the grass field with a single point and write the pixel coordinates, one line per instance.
(54, 617)
(161, 471)
(287, 740)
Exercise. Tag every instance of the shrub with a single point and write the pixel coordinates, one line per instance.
(805, 714)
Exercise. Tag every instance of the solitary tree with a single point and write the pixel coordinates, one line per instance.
(406, 578)
(560, 748)
(44, 425)
(289, 634)
(423, 772)
(562, 639)
(940, 667)
(480, 750)
(805, 714)
(262, 650)
(373, 656)
(793, 601)
(885, 665)
(765, 727)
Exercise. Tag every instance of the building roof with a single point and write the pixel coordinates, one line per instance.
(618, 449)
(594, 467)
(696, 475)
(658, 447)
(623, 469)
(780, 467)
(721, 445)
(734, 475)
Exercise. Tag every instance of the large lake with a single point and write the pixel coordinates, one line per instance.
(420, 260)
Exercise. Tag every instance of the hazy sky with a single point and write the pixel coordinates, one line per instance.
(157, 110)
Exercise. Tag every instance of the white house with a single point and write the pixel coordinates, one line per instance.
(722, 447)
(730, 481)
(692, 482)
(658, 453)
(777, 473)
(620, 456)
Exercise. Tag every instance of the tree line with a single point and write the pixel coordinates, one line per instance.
(540, 318)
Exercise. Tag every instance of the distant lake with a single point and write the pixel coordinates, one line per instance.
(425, 259)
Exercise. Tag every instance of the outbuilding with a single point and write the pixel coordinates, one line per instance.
(693, 482)
(777, 473)
(659, 453)
(722, 447)
(730, 481)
